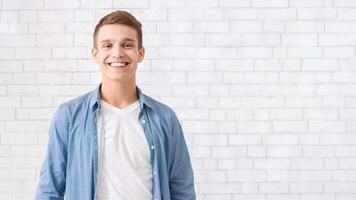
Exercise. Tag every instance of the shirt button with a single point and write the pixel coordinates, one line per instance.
(143, 121)
(154, 172)
(152, 147)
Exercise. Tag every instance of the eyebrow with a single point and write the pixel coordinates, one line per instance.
(123, 40)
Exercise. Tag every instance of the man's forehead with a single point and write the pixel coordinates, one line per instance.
(126, 39)
(116, 31)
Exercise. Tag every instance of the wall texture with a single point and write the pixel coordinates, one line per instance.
(265, 89)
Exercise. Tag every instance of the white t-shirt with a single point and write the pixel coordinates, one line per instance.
(126, 172)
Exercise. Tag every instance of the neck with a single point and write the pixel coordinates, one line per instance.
(118, 94)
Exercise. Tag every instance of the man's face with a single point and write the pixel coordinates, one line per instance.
(117, 53)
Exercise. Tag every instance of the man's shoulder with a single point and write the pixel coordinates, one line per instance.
(162, 110)
(157, 106)
(80, 102)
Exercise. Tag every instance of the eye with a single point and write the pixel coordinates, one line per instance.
(128, 45)
(106, 46)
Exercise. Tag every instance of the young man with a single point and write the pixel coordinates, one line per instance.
(115, 142)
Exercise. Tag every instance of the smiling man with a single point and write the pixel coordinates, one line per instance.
(115, 142)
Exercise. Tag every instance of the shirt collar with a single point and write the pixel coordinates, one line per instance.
(95, 100)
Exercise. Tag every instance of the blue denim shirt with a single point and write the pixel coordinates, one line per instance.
(73, 154)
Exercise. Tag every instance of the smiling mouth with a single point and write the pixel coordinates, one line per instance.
(118, 64)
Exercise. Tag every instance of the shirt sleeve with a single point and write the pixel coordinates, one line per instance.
(181, 177)
(51, 184)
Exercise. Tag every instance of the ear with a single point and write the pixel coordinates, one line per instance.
(141, 54)
(94, 54)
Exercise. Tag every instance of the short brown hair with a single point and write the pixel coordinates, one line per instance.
(119, 17)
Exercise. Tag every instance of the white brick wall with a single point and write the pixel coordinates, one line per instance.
(265, 89)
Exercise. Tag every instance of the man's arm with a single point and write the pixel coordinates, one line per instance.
(181, 177)
(51, 185)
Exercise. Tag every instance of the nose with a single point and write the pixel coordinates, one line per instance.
(117, 52)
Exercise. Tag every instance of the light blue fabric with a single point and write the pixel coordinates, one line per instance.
(72, 161)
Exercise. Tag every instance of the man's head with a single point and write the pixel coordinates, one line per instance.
(119, 17)
(118, 47)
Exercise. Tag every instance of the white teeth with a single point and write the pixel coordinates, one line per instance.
(118, 64)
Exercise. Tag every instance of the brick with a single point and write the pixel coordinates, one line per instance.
(79, 27)
(274, 188)
(84, 16)
(274, 26)
(255, 52)
(298, 39)
(162, 39)
(338, 52)
(131, 4)
(306, 163)
(337, 39)
(261, 39)
(24, 78)
(318, 151)
(97, 4)
(339, 187)
(272, 163)
(9, 16)
(326, 114)
(232, 3)
(54, 40)
(241, 14)
(227, 65)
(246, 176)
(170, 52)
(207, 102)
(46, 28)
(211, 27)
(320, 65)
(13, 28)
(326, 126)
(306, 188)
(315, 176)
(33, 53)
(254, 127)
(305, 26)
(184, 39)
(245, 140)
(265, 102)
(28, 16)
(65, 4)
(280, 139)
(187, 14)
(175, 26)
(282, 175)
(306, 3)
(345, 3)
(304, 52)
(204, 77)
(17, 40)
(22, 4)
(346, 13)
(219, 188)
(248, 114)
(218, 39)
(269, 3)
(246, 26)
(277, 14)
(19, 138)
(70, 52)
(316, 14)
(229, 102)
(200, 126)
(284, 151)
(55, 16)
(228, 152)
